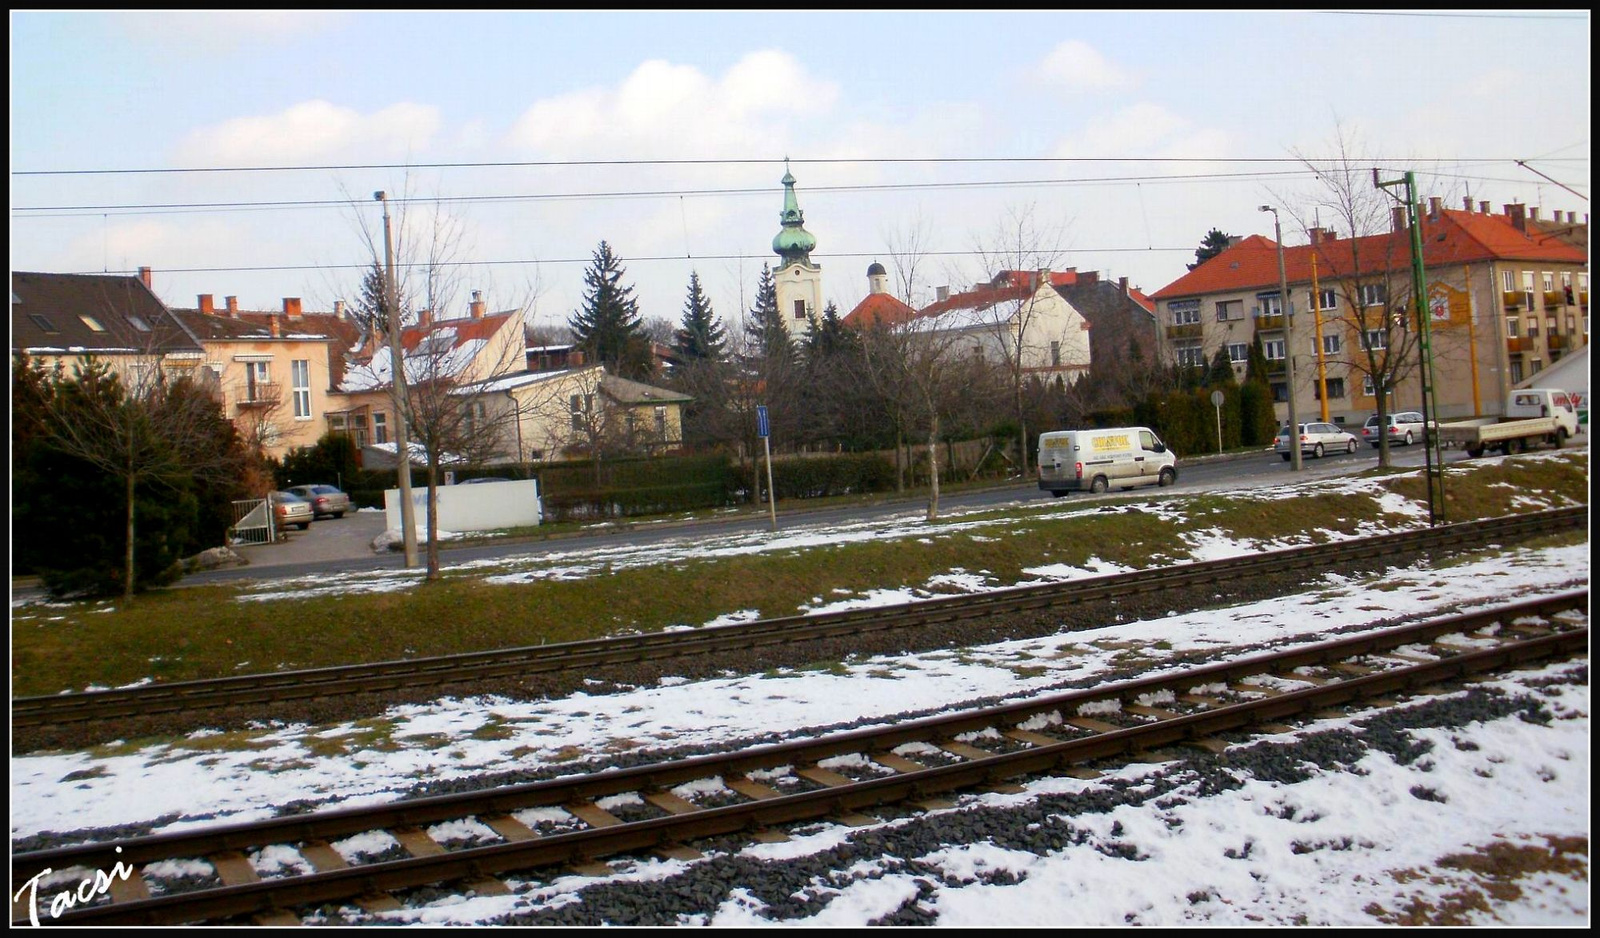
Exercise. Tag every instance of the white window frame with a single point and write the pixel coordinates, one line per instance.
(256, 373)
(1272, 349)
(1184, 312)
(1511, 327)
(1332, 344)
(1324, 299)
(300, 383)
(1375, 339)
(380, 427)
(1238, 352)
(1229, 310)
(1191, 356)
(1374, 294)
(1271, 304)
(1367, 388)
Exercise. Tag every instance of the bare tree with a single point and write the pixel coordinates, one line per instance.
(1364, 275)
(924, 367)
(908, 249)
(1018, 243)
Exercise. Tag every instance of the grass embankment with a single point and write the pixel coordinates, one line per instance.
(205, 632)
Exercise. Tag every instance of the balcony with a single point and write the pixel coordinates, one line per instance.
(1554, 298)
(1556, 341)
(1517, 344)
(1511, 299)
(1265, 322)
(1277, 366)
(1191, 330)
(260, 394)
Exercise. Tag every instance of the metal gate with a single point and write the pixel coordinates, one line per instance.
(252, 523)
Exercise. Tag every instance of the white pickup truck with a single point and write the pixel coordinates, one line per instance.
(1533, 416)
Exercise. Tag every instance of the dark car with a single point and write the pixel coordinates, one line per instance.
(289, 509)
(324, 499)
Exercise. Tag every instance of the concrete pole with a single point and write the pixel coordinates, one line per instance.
(1288, 344)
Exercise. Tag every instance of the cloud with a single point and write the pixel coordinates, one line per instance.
(1076, 66)
(1144, 130)
(678, 111)
(313, 130)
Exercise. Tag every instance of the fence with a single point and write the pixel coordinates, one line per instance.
(252, 523)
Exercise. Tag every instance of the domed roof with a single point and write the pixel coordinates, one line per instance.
(794, 244)
(876, 270)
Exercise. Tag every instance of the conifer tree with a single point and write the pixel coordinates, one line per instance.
(1214, 243)
(699, 337)
(608, 327)
(769, 337)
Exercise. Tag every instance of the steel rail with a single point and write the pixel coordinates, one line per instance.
(478, 862)
(525, 661)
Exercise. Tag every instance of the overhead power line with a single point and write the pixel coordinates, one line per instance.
(726, 162)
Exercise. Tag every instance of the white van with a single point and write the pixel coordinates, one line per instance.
(1095, 460)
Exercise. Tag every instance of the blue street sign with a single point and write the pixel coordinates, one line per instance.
(761, 420)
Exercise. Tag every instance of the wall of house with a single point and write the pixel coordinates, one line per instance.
(270, 415)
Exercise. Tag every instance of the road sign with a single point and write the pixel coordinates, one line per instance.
(761, 420)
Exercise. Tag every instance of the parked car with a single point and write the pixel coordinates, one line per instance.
(485, 479)
(290, 509)
(1316, 439)
(1404, 427)
(324, 499)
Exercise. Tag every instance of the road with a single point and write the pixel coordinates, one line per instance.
(343, 545)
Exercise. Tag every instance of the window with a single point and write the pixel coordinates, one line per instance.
(255, 381)
(1230, 309)
(1331, 345)
(1191, 356)
(1511, 327)
(1533, 328)
(138, 323)
(1055, 354)
(1280, 392)
(1376, 339)
(91, 322)
(576, 404)
(380, 428)
(1335, 388)
(1273, 348)
(1550, 325)
(300, 380)
(1324, 299)
(1271, 304)
(1535, 365)
(1527, 287)
(45, 325)
(1508, 281)
(1374, 294)
(1184, 312)
(1367, 390)
(1238, 352)
(799, 309)
(661, 424)
(1516, 370)
(1549, 282)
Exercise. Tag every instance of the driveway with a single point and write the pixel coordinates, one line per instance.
(344, 538)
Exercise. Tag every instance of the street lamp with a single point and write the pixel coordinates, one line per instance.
(397, 374)
(1288, 343)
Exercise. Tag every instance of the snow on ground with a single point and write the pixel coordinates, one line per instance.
(1523, 781)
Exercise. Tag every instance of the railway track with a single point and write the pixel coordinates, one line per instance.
(670, 805)
(589, 657)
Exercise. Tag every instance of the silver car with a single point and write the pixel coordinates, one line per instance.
(290, 509)
(1404, 427)
(324, 499)
(1315, 440)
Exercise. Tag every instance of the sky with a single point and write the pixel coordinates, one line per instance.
(235, 153)
(1502, 781)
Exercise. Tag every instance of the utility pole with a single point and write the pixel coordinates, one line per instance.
(1288, 343)
(397, 370)
(1433, 459)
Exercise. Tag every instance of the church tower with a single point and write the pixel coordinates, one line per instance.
(798, 280)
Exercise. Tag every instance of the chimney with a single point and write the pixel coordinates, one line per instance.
(1397, 217)
(291, 307)
(1533, 214)
(477, 304)
(1516, 211)
(1044, 278)
(424, 317)
(205, 304)
(1234, 239)
(1433, 208)
(1466, 202)
(1123, 283)
(272, 326)
(233, 306)
(338, 308)
(575, 359)
(144, 274)
(1484, 208)
(1089, 278)
(941, 294)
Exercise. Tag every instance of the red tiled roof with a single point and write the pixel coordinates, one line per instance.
(879, 309)
(1455, 237)
(467, 329)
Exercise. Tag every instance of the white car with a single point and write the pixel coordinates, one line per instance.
(1315, 440)
(1404, 427)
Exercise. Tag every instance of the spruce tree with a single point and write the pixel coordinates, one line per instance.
(608, 328)
(1214, 243)
(700, 336)
(766, 329)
